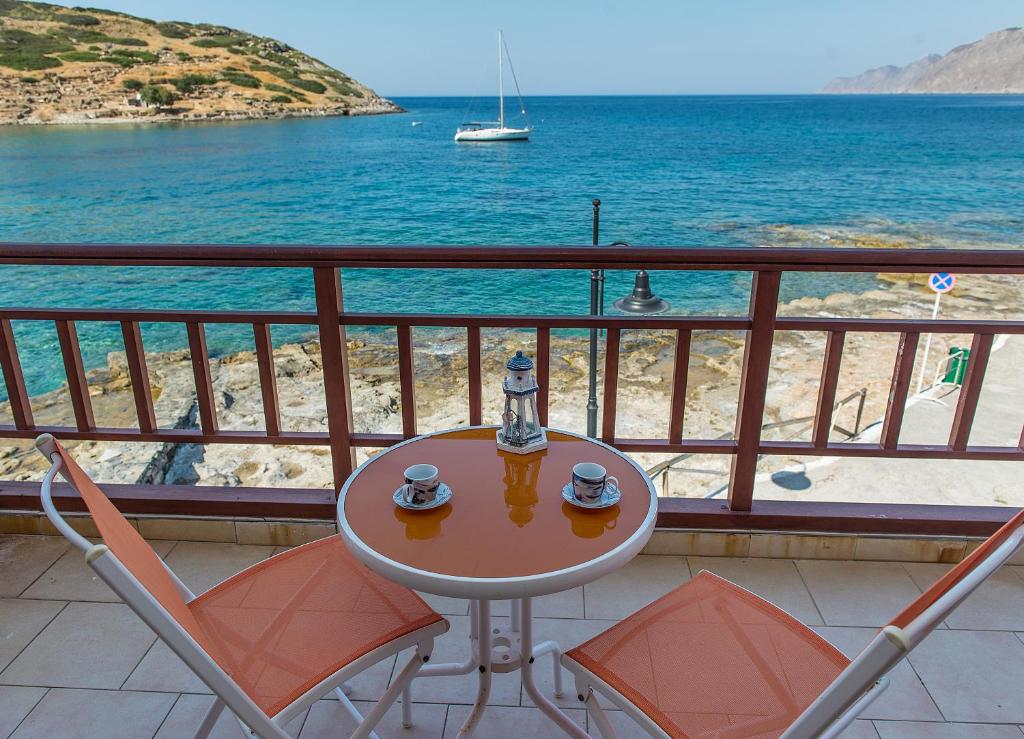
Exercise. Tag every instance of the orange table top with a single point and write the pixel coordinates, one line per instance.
(507, 517)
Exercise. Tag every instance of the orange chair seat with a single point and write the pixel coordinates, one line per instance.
(713, 659)
(284, 625)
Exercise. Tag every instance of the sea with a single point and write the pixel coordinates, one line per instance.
(939, 171)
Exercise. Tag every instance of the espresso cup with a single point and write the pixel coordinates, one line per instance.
(420, 484)
(589, 481)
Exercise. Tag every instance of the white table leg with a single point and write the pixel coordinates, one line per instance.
(529, 656)
(451, 669)
(483, 647)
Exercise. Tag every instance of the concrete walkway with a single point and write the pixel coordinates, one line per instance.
(928, 420)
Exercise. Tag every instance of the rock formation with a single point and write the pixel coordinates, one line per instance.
(73, 65)
(995, 64)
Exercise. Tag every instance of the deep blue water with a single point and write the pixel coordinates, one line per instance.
(939, 170)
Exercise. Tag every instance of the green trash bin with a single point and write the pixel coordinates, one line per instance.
(956, 365)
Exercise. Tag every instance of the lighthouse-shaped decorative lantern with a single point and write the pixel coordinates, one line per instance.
(521, 432)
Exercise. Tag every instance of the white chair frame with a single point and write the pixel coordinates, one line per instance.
(252, 720)
(853, 690)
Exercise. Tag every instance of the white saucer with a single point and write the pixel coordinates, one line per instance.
(444, 494)
(609, 497)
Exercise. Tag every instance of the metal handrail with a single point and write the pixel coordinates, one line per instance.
(663, 467)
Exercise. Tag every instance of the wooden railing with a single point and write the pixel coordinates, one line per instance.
(760, 323)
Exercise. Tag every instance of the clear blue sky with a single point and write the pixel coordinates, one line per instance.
(447, 47)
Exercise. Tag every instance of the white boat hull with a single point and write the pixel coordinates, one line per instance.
(493, 134)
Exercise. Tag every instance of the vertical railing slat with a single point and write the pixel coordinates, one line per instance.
(407, 381)
(475, 384)
(903, 369)
(827, 388)
(268, 378)
(543, 373)
(680, 375)
(203, 380)
(757, 360)
(14, 378)
(611, 386)
(970, 392)
(135, 354)
(67, 336)
(334, 354)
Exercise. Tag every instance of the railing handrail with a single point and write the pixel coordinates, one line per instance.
(787, 259)
(760, 323)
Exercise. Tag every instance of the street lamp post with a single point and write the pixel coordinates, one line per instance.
(641, 301)
(596, 309)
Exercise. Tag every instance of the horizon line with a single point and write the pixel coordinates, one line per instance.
(717, 94)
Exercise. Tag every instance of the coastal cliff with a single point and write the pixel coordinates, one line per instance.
(995, 64)
(74, 65)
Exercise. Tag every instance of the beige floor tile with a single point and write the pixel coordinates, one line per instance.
(446, 606)
(973, 675)
(24, 558)
(997, 604)
(201, 565)
(87, 714)
(21, 621)
(162, 670)
(371, 683)
(632, 587)
(329, 720)
(509, 723)
(454, 647)
(921, 730)
(70, 578)
(627, 728)
(905, 699)
(15, 705)
(858, 593)
(624, 726)
(567, 604)
(568, 634)
(776, 580)
(88, 645)
(190, 710)
(861, 729)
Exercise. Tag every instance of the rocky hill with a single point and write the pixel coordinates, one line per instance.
(995, 64)
(86, 65)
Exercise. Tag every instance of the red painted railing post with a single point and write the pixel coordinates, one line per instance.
(334, 354)
(757, 359)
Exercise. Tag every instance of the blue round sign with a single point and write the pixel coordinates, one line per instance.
(942, 282)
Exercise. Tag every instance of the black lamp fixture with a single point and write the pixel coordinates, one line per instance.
(642, 301)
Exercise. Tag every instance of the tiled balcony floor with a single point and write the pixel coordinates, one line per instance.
(75, 663)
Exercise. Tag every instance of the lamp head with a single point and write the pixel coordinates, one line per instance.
(642, 301)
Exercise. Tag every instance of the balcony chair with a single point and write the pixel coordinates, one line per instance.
(271, 640)
(712, 659)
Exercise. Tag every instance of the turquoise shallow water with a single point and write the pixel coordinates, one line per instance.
(670, 170)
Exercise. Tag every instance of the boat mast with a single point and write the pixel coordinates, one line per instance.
(501, 84)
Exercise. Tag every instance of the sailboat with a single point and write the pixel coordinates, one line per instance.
(496, 130)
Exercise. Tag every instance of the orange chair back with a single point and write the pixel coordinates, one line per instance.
(942, 586)
(127, 544)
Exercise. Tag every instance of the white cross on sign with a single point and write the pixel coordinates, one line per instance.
(942, 282)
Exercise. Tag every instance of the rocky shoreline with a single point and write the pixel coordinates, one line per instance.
(89, 117)
(441, 368)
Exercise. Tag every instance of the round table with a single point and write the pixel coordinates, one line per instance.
(507, 533)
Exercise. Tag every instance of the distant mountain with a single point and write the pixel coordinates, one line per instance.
(87, 65)
(995, 64)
